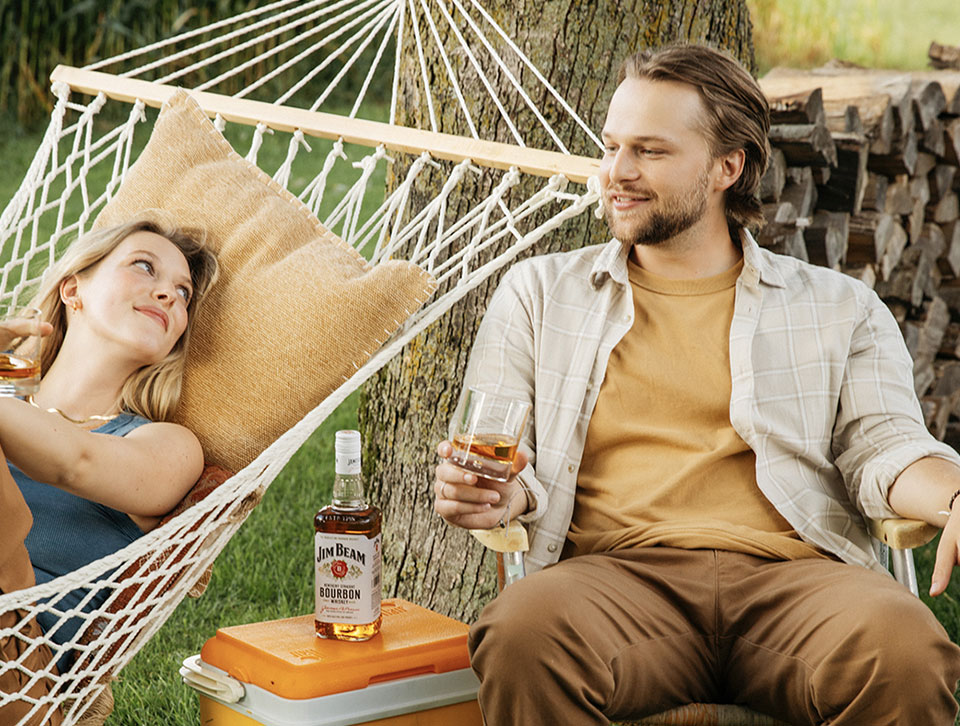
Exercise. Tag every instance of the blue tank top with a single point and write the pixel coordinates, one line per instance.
(69, 532)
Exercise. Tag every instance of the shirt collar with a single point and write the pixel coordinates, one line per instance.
(757, 266)
(612, 263)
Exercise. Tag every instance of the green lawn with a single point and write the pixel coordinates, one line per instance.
(265, 572)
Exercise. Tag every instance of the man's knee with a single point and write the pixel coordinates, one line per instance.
(901, 633)
(518, 625)
(895, 658)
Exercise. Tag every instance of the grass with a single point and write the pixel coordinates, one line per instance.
(873, 33)
(265, 572)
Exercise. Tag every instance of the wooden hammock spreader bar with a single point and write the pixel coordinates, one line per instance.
(330, 126)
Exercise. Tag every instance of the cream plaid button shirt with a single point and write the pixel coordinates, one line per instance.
(822, 387)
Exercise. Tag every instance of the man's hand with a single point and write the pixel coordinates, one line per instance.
(948, 553)
(473, 502)
(923, 491)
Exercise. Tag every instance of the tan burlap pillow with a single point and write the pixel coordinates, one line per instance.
(296, 310)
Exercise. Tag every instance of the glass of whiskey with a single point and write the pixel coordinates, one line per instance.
(19, 350)
(486, 433)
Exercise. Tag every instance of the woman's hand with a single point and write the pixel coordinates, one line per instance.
(14, 328)
(473, 502)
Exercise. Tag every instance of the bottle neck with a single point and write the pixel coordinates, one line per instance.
(348, 491)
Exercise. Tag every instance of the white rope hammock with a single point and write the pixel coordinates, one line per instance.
(60, 197)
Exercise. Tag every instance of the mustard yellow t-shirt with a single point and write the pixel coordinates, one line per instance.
(662, 464)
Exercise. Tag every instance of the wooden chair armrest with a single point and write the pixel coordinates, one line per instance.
(902, 534)
(512, 538)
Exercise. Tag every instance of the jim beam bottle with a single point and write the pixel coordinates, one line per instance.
(347, 553)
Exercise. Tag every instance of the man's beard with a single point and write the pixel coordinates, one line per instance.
(674, 216)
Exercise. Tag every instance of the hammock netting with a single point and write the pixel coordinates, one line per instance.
(93, 138)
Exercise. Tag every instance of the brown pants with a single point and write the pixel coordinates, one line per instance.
(16, 574)
(625, 634)
(16, 681)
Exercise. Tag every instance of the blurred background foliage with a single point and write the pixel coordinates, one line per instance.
(39, 34)
(871, 33)
(36, 35)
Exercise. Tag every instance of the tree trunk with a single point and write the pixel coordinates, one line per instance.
(578, 46)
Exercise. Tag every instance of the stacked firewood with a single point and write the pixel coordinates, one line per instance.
(865, 178)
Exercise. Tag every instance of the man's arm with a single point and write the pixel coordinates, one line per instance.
(924, 490)
(502, 360)
(891, 464)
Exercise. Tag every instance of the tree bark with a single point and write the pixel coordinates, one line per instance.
(578, 46)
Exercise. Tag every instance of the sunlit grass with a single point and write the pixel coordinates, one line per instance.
(264, 573)
(873, 33)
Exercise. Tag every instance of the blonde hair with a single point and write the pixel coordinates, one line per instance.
(154, 390)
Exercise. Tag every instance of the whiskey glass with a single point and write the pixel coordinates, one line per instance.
(486, 433)
(19, 350)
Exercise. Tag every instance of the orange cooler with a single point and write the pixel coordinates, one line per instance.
(415, 672)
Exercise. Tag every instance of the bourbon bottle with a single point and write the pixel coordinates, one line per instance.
(347, 553)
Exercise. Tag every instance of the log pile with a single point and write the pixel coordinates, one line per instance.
(864, 177)
(944, 56)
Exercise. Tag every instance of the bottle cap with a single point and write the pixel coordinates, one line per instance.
(348, 452)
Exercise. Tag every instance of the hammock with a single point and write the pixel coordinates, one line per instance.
(60, 198)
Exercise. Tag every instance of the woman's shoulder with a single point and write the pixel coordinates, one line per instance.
(164, 433)
(122, 424)
(157, 436)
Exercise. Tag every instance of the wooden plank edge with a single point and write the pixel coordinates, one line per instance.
(331, 126)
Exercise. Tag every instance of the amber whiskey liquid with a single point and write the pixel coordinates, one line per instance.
(347, 553)
(18, 376)
(487, 455)
(14, 367)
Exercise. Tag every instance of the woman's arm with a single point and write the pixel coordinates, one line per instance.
(144, 473)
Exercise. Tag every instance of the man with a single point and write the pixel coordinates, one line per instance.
(712, 425)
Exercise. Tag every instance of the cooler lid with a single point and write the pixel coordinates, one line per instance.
(287, 658)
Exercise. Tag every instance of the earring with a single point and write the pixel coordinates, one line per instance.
(75, 305)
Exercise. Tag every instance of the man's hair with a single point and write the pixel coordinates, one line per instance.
(154, 390)
(737, 113)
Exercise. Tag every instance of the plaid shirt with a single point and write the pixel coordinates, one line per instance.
(822, 387)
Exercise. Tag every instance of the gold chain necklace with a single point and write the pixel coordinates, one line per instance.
(78, 421)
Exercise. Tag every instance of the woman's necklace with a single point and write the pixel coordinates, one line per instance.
(78, 421)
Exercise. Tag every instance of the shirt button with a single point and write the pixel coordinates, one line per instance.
(626, 318)
(570, 468)
(551, 548)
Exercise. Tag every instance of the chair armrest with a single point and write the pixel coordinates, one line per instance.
(902, 534)
(512, 538)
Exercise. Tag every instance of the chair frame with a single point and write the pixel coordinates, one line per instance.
(896, 536)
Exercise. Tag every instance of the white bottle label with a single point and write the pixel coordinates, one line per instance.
(347, 578)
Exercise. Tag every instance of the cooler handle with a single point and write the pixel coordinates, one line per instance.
(210, 681)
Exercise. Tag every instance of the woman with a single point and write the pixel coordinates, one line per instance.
(92, 452)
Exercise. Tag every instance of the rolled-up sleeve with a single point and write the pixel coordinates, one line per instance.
(879, 428)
